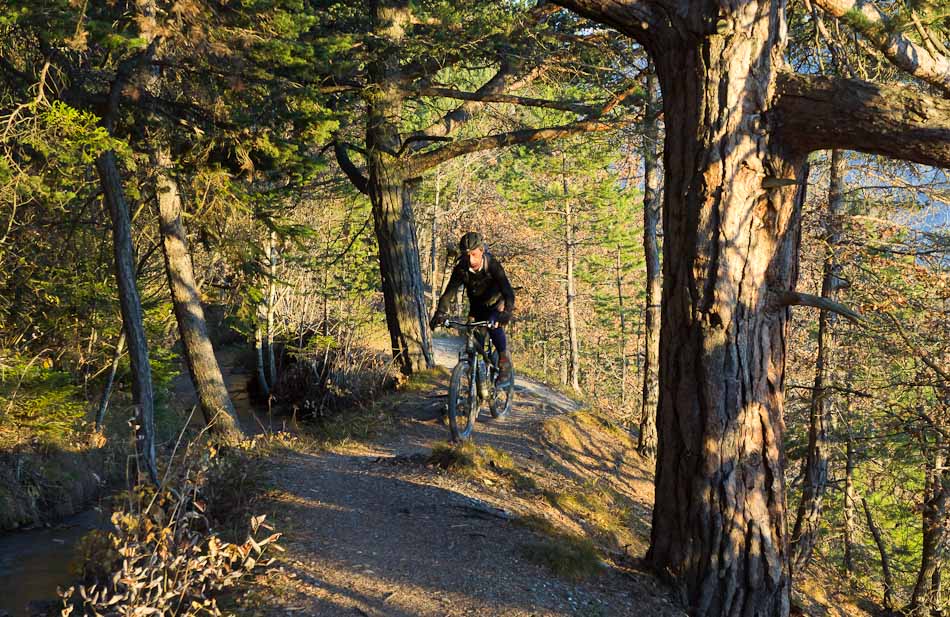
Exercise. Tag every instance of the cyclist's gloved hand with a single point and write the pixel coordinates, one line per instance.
(437, 320)
(502, 317)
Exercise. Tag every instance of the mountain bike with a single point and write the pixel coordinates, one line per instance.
(473, 380)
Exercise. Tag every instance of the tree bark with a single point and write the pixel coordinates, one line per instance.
(654, 280)
(132, 316)
(202, 364)
(388, 190)
(738, 132)
(885, 561)
(923, 600)
(730, 242)
(808, 518)
(571, 291)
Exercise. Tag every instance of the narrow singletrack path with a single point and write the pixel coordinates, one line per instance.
(372, 530)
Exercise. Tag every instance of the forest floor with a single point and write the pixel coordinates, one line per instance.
(403, 525)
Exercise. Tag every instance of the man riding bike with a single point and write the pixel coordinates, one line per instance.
(490, 296)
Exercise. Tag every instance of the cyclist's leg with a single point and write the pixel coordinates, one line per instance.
(498, 339)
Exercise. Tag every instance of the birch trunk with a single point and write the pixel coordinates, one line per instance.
(573, 350)
(110, 381)
(849, 522)
(433, 248)
(271, 308)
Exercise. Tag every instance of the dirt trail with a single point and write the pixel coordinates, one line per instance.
(373, 531)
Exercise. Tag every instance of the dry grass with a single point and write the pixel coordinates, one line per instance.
(565, 554)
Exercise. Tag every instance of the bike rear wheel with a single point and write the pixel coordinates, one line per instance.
(463, 401)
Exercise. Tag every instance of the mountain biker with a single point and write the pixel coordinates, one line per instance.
(490, 296)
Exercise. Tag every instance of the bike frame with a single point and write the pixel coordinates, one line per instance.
(472, 349)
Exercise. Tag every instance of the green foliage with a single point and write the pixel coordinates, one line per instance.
(39, 400)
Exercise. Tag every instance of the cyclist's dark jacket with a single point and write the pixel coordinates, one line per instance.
(486, 288)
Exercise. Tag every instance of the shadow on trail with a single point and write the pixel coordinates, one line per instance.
(372, 539)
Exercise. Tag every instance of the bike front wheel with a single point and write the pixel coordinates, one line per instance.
(463, 401)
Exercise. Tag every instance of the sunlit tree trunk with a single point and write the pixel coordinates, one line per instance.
(570, 249)
(654, 279)
(729, 252)
(737, 133)
(202, 364)
(623, 330)
(808, 518)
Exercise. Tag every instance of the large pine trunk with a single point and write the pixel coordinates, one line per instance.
(202, 364)
(399, 267)
(729, 252)
(388, 188)
(654, 282)
(808, 518)
(130, 305)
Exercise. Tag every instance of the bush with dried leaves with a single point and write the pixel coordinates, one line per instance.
(162, 558)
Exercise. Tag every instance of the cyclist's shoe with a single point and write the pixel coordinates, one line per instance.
(504, 369)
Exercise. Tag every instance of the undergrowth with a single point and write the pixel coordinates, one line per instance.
(167, 552)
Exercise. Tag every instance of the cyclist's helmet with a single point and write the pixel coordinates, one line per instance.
(471, 240)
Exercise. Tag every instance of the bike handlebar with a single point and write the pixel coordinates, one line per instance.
(466, 324)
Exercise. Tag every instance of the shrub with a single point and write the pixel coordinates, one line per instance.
(162, 556)
(325, 377)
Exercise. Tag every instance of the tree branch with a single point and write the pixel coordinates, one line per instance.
(642, 20)
(936, 368)
(864, 18)
(492, 97)
(504, 79)
(796, 298)
(352, 171)
(813, 112)
(421, 162)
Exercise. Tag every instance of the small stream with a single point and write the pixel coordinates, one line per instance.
(34, 563)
